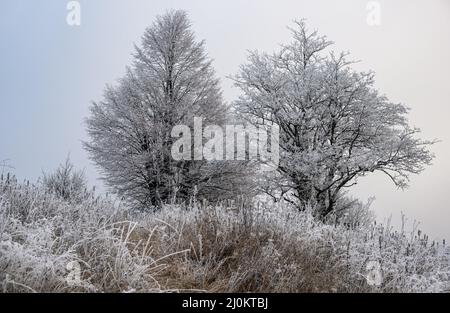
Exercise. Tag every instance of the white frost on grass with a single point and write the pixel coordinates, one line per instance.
(185, 248)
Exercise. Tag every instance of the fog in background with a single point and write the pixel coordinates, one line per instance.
(50, 72)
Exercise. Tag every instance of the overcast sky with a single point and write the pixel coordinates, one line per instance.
(50, 72)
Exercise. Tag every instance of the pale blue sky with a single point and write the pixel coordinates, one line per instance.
(50, 72)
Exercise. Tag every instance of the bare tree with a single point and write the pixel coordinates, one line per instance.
(170, 82)
(334, 125)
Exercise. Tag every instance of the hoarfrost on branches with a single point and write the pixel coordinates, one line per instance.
(170, 82)
(334, 125)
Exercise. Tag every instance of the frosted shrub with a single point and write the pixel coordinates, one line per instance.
(66, 182)
(42, 233)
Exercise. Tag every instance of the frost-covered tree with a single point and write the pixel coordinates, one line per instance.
(170, 82)
(334, 125)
